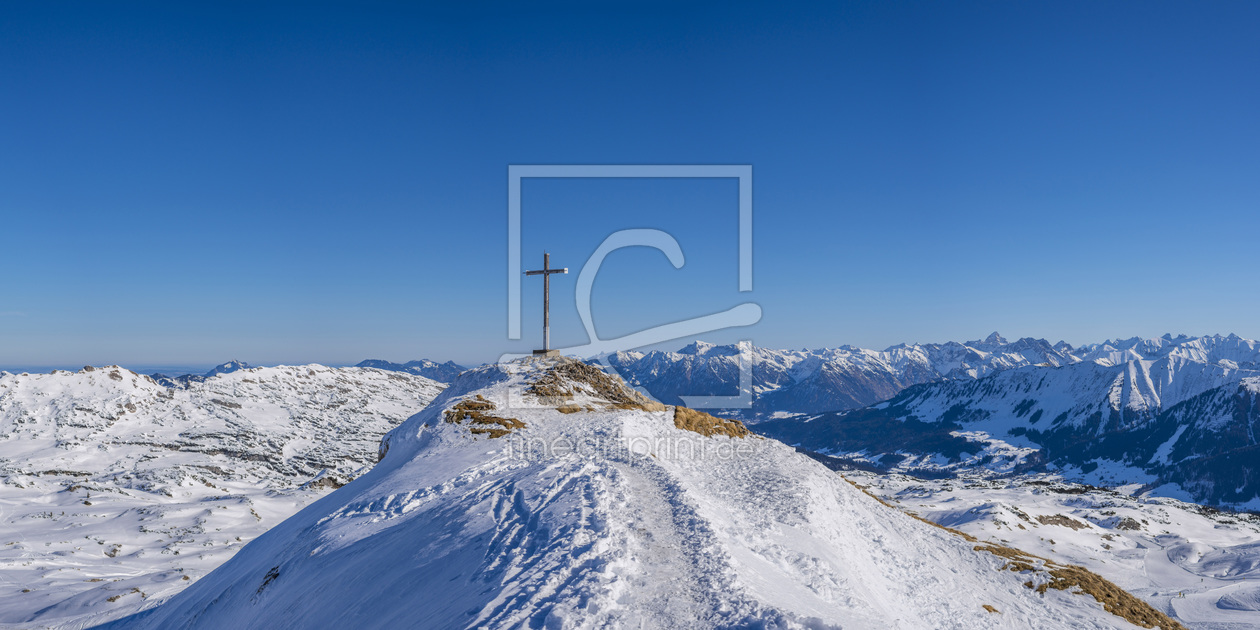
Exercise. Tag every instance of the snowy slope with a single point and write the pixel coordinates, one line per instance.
(594, 510)
(1200, 564)
(115, 490)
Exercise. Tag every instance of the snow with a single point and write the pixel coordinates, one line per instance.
(847, 377)
(116, 492)
(605, 518)
(1001, 410)
(826, 379)
(121, 497)
(1199, 564)
(1165, 449)
(1231, 352)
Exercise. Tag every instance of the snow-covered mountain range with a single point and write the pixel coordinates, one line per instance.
(1230, 350)
(807, 381)
(836, 379)
(116, 491)
(543, 493)
(1176, 412)
(184, 380)
(440, 372)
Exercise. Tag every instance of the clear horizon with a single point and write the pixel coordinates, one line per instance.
(177, 369)
(187, 185)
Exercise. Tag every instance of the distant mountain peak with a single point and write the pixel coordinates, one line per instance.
(706, 349)
(440, 372)
(184, 380)
(697, 347)
(227, 368)
(995, 338)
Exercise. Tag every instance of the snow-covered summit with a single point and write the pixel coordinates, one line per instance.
(545, 493)
(227, 368)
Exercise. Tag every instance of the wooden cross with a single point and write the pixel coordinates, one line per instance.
(546, 272)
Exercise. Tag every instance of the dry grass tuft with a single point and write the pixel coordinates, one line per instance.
(1114, 599)
(707, 425)
(466, 407)
(1018, 561)
(991, 609)
(1065, 577)
(474, 410)
(556, 387)
(550, 389)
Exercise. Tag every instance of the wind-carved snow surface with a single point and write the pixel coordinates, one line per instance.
(116, 492)
(604, 518)
(1198, 564)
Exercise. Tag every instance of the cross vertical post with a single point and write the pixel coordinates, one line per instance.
(546, 272)
(546, 302)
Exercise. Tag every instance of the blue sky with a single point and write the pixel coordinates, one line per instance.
(296, 183)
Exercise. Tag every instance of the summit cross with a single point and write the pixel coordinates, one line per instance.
(546, 272)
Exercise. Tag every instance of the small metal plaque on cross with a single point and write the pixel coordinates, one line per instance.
(546, 272)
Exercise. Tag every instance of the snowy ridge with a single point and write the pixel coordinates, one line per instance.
(596, 511)
(116, 491)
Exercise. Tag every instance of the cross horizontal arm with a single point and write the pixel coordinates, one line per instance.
(546, 271)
